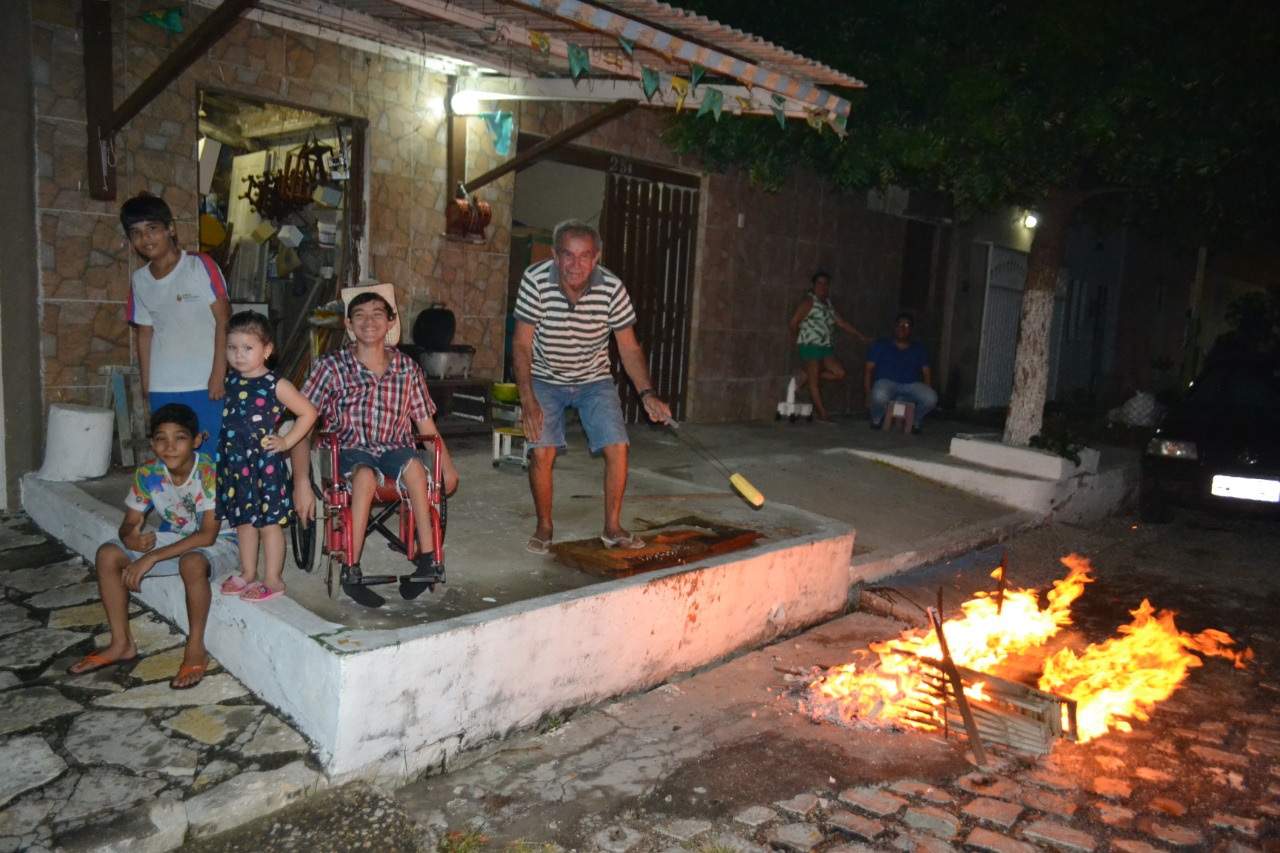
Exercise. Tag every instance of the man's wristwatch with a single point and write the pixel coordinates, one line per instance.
(647, 393)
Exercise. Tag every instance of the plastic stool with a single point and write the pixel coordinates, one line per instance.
(504, 438)
(899, 415)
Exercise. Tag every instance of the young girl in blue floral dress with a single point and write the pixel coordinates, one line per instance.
(253, 484)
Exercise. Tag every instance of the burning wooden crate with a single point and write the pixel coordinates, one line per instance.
(1003, 711)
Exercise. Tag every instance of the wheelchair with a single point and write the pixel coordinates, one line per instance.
(332, 527)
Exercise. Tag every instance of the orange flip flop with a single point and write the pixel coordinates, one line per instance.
(98, 661)
(185, 670)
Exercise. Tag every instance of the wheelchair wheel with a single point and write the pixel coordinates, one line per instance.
(304, 544)
(304, 539)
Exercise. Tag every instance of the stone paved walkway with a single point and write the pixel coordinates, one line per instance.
(116, 759)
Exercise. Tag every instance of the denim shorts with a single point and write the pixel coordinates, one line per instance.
(223, 555)
(388, 464)
(599, 409)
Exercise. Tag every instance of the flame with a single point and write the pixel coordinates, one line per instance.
(1124, 677)
(1112, 682)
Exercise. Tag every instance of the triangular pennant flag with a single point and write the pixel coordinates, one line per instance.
(840, 124)
(695, 74)
(628, 45)
(814, 119)
(650, 80)
(779, 100)
(745, 105)
(579, 61)
(499, 126)
(712, 102)
(540, 41)
(681, 88)
(780, 116)
(167, 19)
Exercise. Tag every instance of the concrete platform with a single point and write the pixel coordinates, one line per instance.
(513, 637)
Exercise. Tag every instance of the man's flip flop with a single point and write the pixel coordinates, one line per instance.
(538, 546)
(99, 662)
(234, 585)
(184, 671)
(260, 593)
(629, 541)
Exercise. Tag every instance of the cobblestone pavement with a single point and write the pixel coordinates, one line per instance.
(116, 759)
(716, 762)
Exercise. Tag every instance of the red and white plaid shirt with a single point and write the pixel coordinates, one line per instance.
(364, 410)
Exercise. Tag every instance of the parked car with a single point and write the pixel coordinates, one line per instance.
(1218, 448)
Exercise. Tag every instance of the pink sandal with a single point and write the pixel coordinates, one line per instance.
(234, 585)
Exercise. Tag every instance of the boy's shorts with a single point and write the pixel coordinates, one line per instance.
(813, 352)
(599, 409)
(388, 464)
(208, 413)
(223, 555)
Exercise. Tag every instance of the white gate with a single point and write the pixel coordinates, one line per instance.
(1002, 307)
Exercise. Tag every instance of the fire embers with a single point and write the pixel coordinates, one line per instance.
(1109, 684)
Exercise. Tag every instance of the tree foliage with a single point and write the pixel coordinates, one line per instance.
(1168, 108)
(1163, 113)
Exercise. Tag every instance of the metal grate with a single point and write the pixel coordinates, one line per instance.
(1008, 713)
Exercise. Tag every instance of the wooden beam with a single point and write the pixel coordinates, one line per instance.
(203, 37)
(103, 122)
(98, 95)
(546, 146)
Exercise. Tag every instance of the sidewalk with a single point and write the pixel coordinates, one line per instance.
(200, 762)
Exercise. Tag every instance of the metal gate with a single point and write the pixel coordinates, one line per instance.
(1002, 309)
(650, 229)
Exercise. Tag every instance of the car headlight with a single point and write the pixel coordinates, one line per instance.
(1172, 448)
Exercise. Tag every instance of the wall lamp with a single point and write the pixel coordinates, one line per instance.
(1030, 220)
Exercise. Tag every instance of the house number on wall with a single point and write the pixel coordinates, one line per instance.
(619, 165)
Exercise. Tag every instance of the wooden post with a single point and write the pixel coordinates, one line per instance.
(957, 685)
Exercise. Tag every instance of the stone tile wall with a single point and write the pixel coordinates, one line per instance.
(85, 260)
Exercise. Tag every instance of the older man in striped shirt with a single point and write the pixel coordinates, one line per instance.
(566, 309)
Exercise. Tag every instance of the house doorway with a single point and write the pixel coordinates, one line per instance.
(1002, 311)
(648, 220)
(280, 191)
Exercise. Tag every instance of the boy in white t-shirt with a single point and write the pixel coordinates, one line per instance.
(178, 302)
(179, 486)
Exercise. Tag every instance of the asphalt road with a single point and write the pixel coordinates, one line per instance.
(1214, 572)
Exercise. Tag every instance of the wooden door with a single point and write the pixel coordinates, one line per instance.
(650, 227)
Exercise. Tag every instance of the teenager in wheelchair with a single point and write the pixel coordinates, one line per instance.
(376, 415)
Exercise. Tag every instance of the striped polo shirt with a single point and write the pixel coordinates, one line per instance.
(571, 342)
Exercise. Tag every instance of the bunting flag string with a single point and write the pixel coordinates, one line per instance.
(650, 80)
(712, 102)
(166, 19)
(745, 105)
(629, 45)
(579, 61)
(540, 41)
(695, 74)
(681, 87)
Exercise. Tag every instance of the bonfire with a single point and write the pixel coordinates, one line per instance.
(1108, 685)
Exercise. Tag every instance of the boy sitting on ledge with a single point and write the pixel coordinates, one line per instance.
(179, 485)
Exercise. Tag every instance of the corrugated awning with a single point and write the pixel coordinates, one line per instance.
(626, 48)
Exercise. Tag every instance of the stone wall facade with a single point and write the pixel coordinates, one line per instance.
(749, 278)
(85, 261)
